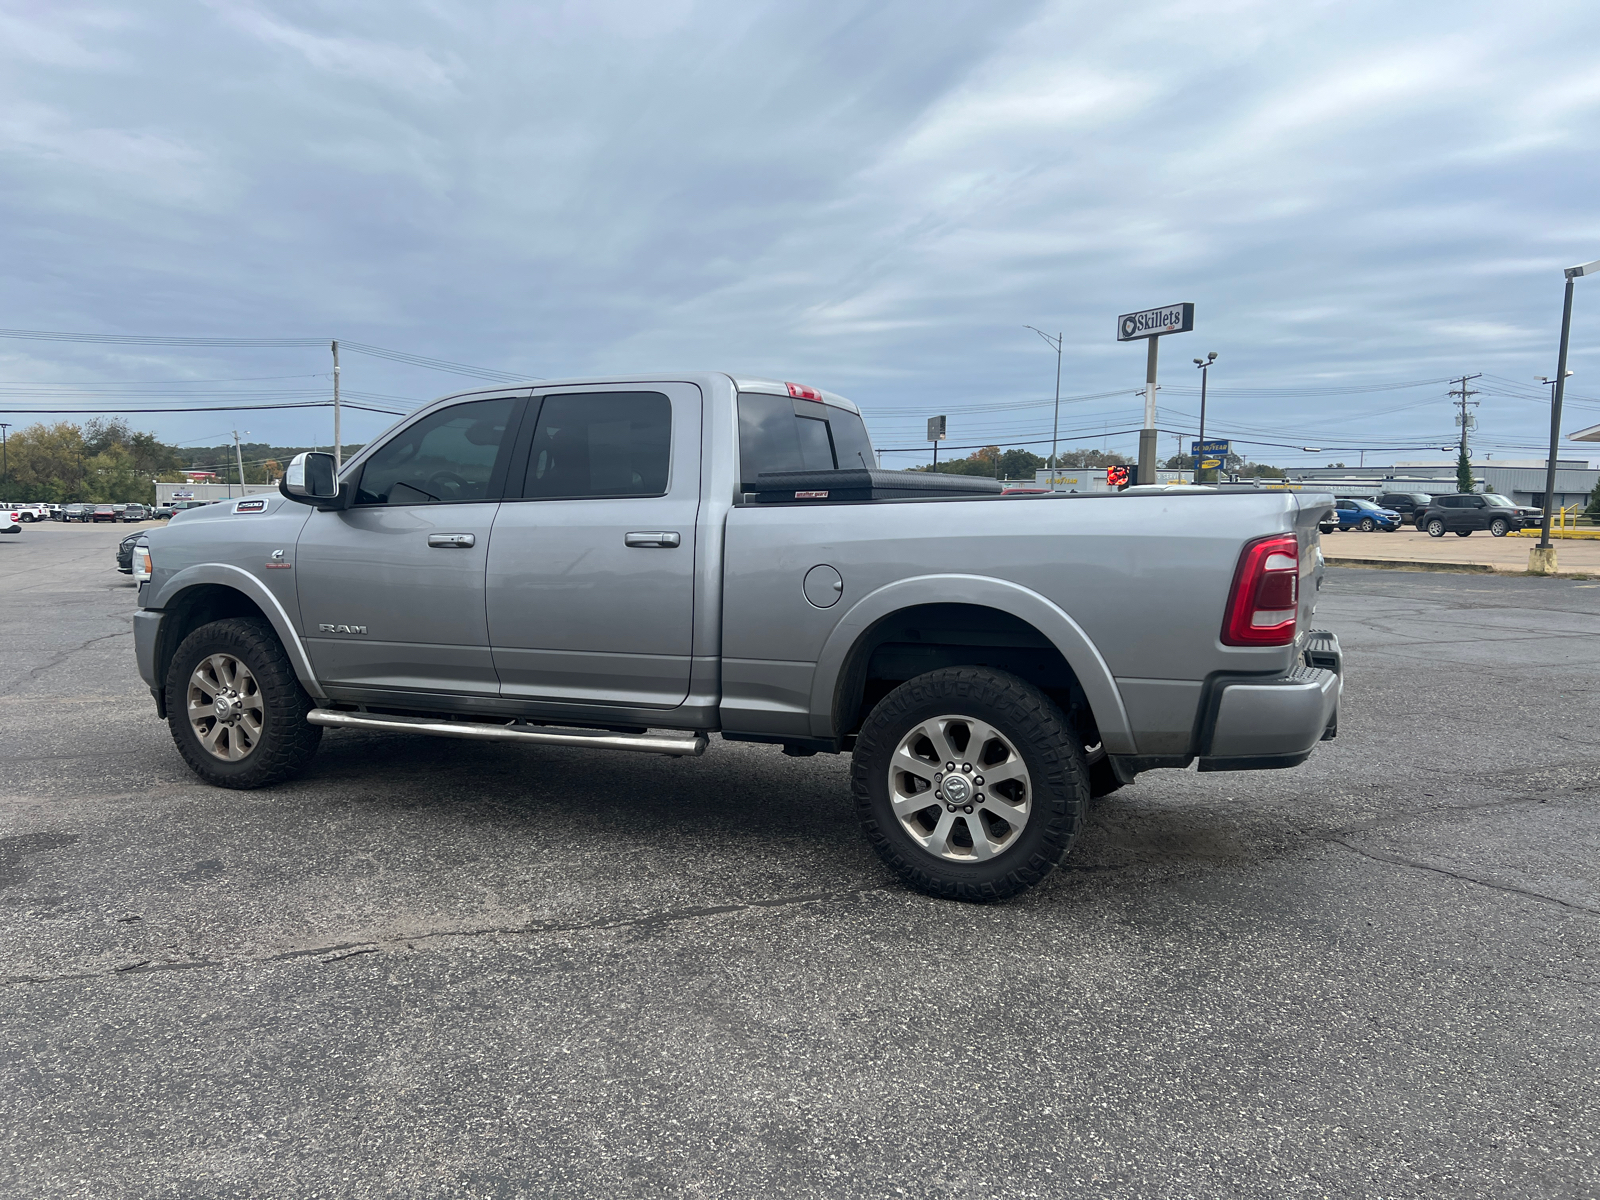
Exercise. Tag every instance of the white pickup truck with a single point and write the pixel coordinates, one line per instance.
(26, 513)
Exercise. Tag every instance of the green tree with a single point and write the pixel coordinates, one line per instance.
(1464, 481)
(104, 460)
(1594, 502)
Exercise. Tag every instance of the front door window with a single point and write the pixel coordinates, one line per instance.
(448, 457)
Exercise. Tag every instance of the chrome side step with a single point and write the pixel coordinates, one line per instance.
(669, 742)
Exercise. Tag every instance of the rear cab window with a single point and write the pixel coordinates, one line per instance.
(783, 433)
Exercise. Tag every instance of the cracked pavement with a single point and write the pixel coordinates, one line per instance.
(433, 968)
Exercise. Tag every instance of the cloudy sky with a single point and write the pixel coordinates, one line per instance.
(874, 198)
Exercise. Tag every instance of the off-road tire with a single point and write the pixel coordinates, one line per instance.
(287, 741)
(1043, 738)
(1436, 528)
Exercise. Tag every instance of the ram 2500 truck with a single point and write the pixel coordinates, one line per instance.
(639, 563)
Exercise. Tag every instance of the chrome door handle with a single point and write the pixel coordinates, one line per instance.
(451, 541)
(662, 540)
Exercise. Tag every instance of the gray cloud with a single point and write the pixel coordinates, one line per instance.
(873, 198)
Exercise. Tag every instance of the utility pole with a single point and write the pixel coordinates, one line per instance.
(338, 451)
(1464, 419)
(239, 456)
(1055, 425)
(1205, 369)
(5, 463)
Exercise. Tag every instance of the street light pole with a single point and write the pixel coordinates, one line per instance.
(1055, 426)
(1205, 369)
(5, 462)
(1572, 274)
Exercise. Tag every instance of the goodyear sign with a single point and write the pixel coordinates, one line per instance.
(1210, 449)
(1153, 322)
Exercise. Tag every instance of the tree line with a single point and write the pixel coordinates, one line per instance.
(1020, 464)
(106, 461)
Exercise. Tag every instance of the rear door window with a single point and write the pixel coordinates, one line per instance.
(591, 444)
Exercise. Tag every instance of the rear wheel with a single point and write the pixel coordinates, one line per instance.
(970, 783)
(235, 708)
(1463, 533)
(1436, 528)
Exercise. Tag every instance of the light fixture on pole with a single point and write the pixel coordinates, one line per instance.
(1543, 557)
(1055, 426)
(1205, 369)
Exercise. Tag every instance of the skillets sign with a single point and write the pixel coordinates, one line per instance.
(1153, 322)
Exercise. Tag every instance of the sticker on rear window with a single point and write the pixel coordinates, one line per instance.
(245, 506)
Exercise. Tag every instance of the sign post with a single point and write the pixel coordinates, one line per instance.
(1209, 455)
(1152, 323)
(936, 435)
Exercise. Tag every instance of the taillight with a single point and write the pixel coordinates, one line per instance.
(803, 393)
(1264, 605)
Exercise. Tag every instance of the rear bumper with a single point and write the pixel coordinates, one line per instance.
(1254, 723)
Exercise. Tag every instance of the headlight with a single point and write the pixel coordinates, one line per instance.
(141, 563)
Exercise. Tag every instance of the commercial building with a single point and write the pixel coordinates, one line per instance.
(167, 493)
(1521, 480)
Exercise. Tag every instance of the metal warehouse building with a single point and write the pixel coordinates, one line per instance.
(1522, 480)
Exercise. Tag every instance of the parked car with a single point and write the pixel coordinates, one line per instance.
(77, 512)
(1466, 512)
(134, 512)
(27, 513)
(654, 583)
(103, 512)
(1365, 516)
(161, 512)
(55, 511)
(1410, 505)
(125, 550)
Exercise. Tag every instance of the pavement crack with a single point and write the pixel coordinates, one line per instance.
(61, 656)
(342, 950)
(1494, 885)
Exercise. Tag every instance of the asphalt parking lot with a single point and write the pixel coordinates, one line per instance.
(436, 968)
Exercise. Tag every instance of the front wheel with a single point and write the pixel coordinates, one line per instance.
(1499, 527)
(1436, 528)
(1368, 524)
(235, 708)
(970, 783)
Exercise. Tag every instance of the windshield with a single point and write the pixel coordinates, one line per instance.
(1497, 500)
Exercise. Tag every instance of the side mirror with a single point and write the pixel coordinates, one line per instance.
(310, 478)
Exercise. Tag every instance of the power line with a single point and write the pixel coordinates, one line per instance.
(85, 412)
(131, 339)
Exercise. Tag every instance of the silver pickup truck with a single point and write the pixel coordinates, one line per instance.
(635, 564)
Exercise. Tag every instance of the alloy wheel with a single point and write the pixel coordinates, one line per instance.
(960, 789)
(225, 707)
